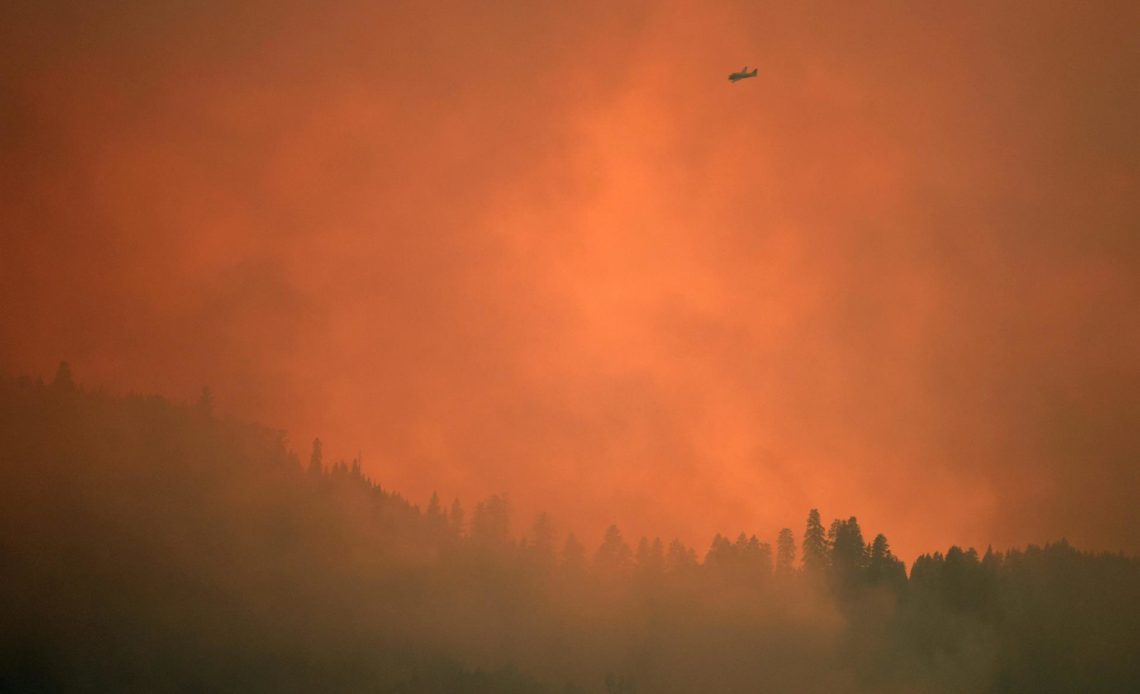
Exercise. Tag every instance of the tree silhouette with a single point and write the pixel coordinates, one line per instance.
(436, 520)
(883, 567)
(848, 552)
(679, 558)
(815, 546)
(759, 556)
(206, 402)
(720, 554)
(203, 555)
(490, 524)
(614, 555)
(573, 555)
(315, 458)
(63, 380)
(650, 559)
(456, 519)
(785, 552)
(542, 540)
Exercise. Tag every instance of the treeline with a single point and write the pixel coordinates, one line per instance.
(151, 546)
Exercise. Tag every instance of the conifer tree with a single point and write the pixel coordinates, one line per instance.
(456, 518)
(641, 556)
(785, 552)
(542, 539)
(573, 555)
(656, 562)
(848, 551)
(206, 402)
(315, 458)
(679, 558)
(761, 556)
(815, 546)
(883, 567)
(614, 554)
(490, 524)
(63, 380)
(434, 514)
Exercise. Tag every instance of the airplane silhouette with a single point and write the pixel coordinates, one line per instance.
(742, 75)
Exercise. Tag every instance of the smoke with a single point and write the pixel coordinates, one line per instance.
(553, 252)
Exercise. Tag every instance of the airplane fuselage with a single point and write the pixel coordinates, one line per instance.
(742, 75)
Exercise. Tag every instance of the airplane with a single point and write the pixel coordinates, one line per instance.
(742, 75)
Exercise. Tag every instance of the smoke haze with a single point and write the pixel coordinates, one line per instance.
(552, 252)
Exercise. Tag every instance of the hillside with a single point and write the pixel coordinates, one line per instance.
(152, 546)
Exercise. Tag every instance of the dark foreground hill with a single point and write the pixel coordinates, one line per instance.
(151, 546)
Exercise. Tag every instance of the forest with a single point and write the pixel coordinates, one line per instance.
(151, 545)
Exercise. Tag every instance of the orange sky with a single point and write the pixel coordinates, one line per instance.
(547, 249)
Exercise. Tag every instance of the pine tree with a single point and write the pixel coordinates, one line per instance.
(720, 552)
(815, 546)
(679, 558)
(542, 539)
(434, 514)
(883, 567)
(456, 519)
(880, 551)
(614, 555)
(656, 562)
(880, 557)
(848, 552)
(490, 524)
(206, 402)
(63, 380)
(641, 556)
(761, 556)
(785, 552)
(573, 555)
(315, 458)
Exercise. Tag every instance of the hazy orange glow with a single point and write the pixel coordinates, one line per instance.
(547, 249)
